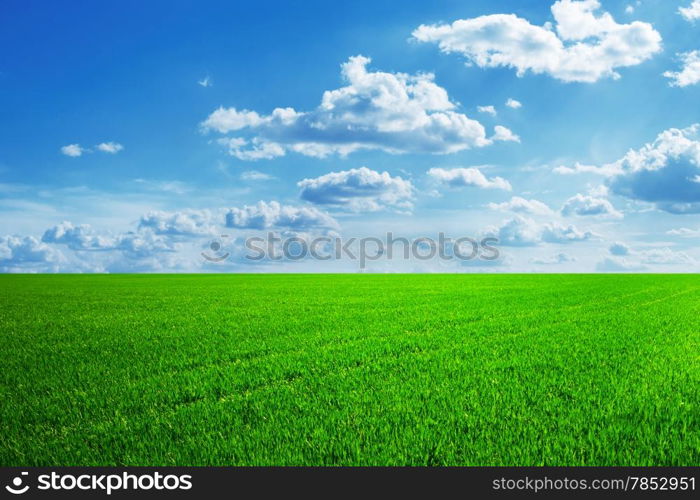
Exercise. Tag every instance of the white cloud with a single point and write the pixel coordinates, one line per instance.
(80, 237)
(109, 147)
(685, 232)
(519, 232)
(258, 150)
(557, 233)
(523, 231)
(522, 205)
(226, 120)
(629, 9)
(662, 172)
(183, 223)
(579, 168)
(585, 47)
(205, 82)
(512, 103)
(274, 215)
(691, 12)
(76, 150)
(254, 175)
(689, 73)
(359, 189)
(583, 205)
(26, 253)
(142, 243)
(487, 109)
(504, 134)
(393, 112)
(460, 177)
(73, 150)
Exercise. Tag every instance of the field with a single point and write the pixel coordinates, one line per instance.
(350, 369)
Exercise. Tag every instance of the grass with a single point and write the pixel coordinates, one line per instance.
(350, 370)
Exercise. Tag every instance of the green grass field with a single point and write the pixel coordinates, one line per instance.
(350, 369)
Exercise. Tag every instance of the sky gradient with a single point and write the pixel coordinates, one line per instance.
(135, 134)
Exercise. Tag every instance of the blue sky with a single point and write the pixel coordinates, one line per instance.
(132, 134)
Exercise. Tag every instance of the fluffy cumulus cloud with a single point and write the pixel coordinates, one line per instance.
(77, 237)
(665, 172)
(251, 150)
(513, 104)
(274, 215)
(504, 134)
(585, 44)
(691, 12)
(142, 250)
(471, 177)
(522, 231)
(490, 110)
(393, 112)
(518, 232)
(109, 147)
(359, 189)
(586, 205)
(160, 242)
(558, 233)
(522, 205)
(141, 243)
(690, 70)
(27, 254)
(73, 150)
(184, 223)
